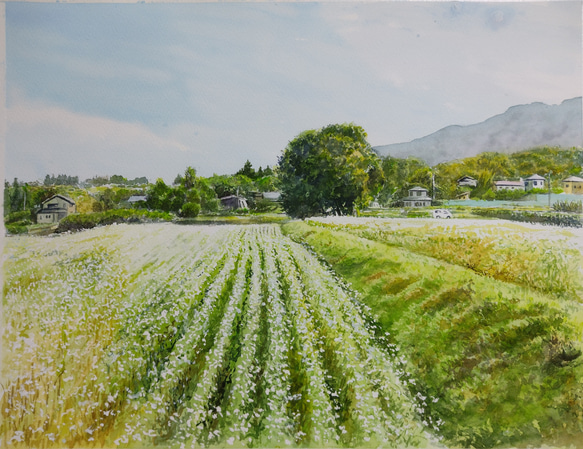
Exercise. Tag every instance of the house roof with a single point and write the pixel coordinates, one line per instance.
(573, 179)
(418, 189)
(535, 177)
(66, 198)
(136, 198)
(466, 177)
(271, 195)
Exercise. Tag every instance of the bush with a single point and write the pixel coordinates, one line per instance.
(16, 229)
(78, 222)
(418, 214)
(264, 205)
(20, 216)
(553, 219)
(190, 210)
(568, 206)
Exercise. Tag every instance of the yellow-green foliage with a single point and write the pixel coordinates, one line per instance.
(510, 252)
(503, 360)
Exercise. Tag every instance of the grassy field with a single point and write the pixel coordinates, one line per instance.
(172, 336)
(488, 315)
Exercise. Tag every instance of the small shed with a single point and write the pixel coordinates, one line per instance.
(463, 196)
(417, 198)
(234, 202)
(55, 209)
(534, 182)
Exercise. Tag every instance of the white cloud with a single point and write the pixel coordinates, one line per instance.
(43, 139)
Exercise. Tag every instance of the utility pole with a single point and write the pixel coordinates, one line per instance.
(433, 186)
(549, 181)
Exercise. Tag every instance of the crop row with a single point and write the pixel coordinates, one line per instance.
(193, 336)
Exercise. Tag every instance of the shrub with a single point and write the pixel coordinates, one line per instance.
(16, 229)
(190, 210)
(264, 205)
(20, 216)
(568, 206)
(554, 219)
(78, 222)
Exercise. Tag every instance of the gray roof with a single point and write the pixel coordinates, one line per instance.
(136, 198)
(418, 188)
(573, 179)
(535, 178)
(274, 196)
(66, 198)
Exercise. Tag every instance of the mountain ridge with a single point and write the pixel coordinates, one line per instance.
(518, 128)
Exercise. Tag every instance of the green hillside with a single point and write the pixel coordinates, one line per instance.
(485, 167)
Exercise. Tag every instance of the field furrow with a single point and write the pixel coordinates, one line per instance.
(203, 336)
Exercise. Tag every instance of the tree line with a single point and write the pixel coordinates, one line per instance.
(332, 170)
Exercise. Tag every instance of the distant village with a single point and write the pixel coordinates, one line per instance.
(57, 207)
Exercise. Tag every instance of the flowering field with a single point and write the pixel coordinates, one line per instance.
(162, 335)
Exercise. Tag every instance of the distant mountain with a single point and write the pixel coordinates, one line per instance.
(519, 128)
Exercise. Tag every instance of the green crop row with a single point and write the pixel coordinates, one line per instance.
(202, 336)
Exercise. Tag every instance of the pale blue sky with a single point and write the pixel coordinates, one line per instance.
(147, 89)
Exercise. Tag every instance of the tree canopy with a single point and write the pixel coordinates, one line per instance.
(329, 171)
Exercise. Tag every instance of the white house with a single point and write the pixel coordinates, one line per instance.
(55, 208)
(417, 198)
(508, 185)
(534, 182)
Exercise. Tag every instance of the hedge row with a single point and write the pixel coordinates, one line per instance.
(545, 218)
(78, 222)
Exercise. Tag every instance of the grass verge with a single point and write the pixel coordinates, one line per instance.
(504, 361)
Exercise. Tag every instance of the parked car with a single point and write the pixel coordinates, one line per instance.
(442, 213)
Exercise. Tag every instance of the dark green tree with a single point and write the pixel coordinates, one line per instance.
(327, 171)
(247, 170)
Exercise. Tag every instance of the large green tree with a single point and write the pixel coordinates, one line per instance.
(329, 171)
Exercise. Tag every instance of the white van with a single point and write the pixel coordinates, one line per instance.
(441, 213)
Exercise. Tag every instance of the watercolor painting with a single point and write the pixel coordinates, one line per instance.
(292, 224)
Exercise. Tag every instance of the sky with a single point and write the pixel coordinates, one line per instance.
(149, 89)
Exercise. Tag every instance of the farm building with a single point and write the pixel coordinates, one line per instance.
(463, 196)
(134, 199)
(467, 181)
(272, 196)
(417, 198)
(234, 202)
(55, 208)
(508, 185)
(534, 182)
(573, 184)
